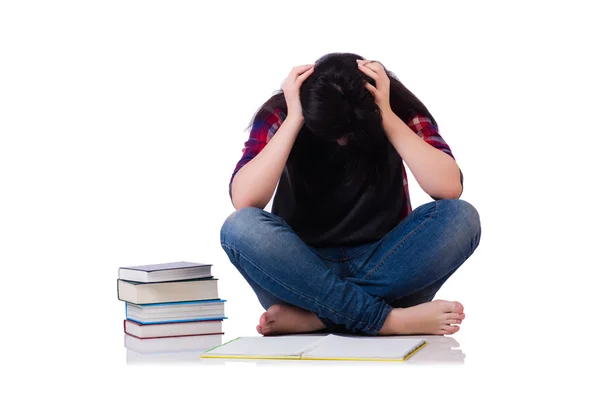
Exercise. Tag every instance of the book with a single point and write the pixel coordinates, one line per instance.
(311, 347)
(173, 344)
(174, 312)
(165, 272)
(169, 291)
(189, 328)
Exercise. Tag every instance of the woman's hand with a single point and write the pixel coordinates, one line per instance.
(381, 91)
(291, 90)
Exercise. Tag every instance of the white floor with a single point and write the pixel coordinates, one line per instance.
(438, 350)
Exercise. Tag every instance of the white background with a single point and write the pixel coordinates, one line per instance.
(121, 122)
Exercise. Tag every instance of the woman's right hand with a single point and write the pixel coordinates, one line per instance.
(291, 90)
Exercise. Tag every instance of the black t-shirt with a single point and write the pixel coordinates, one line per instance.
(337, 214)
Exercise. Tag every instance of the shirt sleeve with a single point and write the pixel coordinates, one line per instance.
(428, 131)
(263, 128)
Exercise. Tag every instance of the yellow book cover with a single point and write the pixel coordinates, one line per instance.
(319, 347)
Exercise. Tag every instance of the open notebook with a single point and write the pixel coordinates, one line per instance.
(311, 347)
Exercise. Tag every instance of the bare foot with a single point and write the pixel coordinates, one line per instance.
(284, 319)
(436, 318)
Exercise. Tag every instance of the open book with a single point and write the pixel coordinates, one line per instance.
(319, 347)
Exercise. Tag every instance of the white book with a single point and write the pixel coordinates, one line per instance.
(313, 347)
(173, 344)
(175, 312)
(144, 331)
(168, 291)
(173, 271)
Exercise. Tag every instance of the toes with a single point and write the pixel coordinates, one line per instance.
(272, 312)
(263, 320)
(458, 307)
(449, 329)
(453, 316)
(450, 321)
(451, 306)
(268, 331)
(265, 323)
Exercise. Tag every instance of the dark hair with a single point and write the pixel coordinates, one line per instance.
(336, 104)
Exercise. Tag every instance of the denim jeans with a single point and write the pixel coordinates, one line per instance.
(353, 289)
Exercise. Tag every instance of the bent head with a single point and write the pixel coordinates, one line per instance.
(343, 129)
(336, 105)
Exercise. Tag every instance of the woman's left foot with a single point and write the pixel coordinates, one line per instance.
(284, 319)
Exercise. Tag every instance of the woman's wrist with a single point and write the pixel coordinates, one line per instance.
(388, 116)
(295, 122)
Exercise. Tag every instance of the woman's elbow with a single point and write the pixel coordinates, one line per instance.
(449, 193)
(244, 202)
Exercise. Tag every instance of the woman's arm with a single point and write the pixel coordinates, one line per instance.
(254, 184)
(436, 172)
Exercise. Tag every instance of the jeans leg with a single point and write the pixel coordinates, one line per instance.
(415, 258)
(269, 254)
(265, 298)
(425, 295)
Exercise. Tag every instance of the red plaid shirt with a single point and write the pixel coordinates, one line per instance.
(263, 130)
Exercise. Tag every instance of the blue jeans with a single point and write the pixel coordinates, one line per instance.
(353, 289)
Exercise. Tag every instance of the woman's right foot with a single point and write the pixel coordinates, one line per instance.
(432, 318)
(283, 319)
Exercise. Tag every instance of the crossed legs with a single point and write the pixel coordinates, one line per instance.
(389, 290)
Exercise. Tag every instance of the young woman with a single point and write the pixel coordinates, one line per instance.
(342, 248)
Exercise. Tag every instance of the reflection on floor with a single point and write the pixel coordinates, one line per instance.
(439, 350)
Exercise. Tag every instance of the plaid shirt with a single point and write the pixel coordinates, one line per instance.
(263, 130)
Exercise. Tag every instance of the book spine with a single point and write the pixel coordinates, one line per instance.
(179, 321)
(194, 302)
(312, 346)
(174, 336)
(136, 322)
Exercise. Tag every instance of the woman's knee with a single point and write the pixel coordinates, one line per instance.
(240, 223)
(464, 216)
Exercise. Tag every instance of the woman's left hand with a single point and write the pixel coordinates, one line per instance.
(381, 91)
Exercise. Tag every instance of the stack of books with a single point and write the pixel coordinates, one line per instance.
(171, 307)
